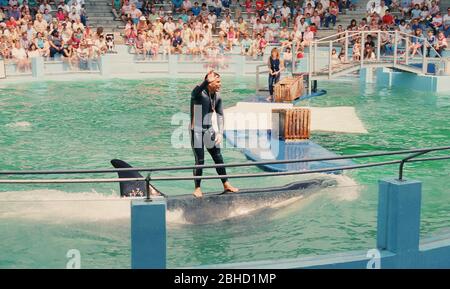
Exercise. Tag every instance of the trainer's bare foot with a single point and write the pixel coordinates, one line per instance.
(229, 188)
(198, 193)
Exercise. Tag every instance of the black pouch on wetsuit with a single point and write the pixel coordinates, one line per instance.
(209, 137)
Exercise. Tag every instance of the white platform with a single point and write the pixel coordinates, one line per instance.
(254, 115)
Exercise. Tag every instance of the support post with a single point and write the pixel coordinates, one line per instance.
(424, 58)
(310, 70)
(395, 47)
(257, 79)
(330, 59)
(378, 45)
(173, 64)
(362, 49)
(346, 45)
(294, 56)
(399, 218)
(37, 67)
(148, 234)
(315, 57)
(239, 62)
(407, 51)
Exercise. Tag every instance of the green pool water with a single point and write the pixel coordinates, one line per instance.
(61, 125)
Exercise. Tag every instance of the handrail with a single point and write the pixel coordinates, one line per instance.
(343, 38)
(148, 179)
(249, 175)
(246, 164)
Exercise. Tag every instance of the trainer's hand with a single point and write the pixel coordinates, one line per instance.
(218, 139)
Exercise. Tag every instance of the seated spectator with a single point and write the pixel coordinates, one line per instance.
(332, 14)
(33, 52)
(308, 37)
(56, 44)
(20, 57)
(42, 45)
(441, 43)
(44, 6)
(356, 50)
(61, 14)
(388, 19)
(246, 44)
(196, 9)
(64, 7)
(177, 43)
(446, 25)
(217, 7)
(431, 42)
(125, 10)
(176, 5)
(416, 42)
(369, 53)
(83, 55)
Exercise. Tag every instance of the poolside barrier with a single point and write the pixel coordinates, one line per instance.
(397, 243)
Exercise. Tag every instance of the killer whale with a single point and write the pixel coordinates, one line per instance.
(217, 206)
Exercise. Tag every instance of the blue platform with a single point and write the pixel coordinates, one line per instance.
(260, 146)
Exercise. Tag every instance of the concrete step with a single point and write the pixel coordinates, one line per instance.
(100, 14)
(97, 3)
(111, 21)
(101, 18)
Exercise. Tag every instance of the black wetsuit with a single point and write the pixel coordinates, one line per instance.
(273, 79)
(202, 133)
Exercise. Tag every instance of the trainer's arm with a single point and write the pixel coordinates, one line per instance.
(196, 93)
(220, 118)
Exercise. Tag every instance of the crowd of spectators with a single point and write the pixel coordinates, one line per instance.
(30, 28)
(247, 27)
(48, 28)
(218, 26)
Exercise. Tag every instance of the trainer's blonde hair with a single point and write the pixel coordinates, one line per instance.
(277, 53)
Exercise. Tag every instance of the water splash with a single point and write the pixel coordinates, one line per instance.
(20, 125)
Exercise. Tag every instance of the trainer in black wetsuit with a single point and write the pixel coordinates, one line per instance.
(275, 66)
(205, 100)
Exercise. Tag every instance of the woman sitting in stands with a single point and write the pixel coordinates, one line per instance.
(100, 43)
(262, 43)
(308, 37)
(142, 24)
(139, 45)
(70, 56)
(20, 57)
(231, 38)
(42, 45)
(356, 50)
(83, 54)
(369, 54)
(242, 28)
(33, 51)
(441, 43)
(335, 61)
(165, 42)
(191, 47)
(416, 42)
(284, 35)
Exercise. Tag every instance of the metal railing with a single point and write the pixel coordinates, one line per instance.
(399, 41)
(411, 157)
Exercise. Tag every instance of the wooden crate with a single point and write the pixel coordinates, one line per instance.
(288, 89)
(292, 124)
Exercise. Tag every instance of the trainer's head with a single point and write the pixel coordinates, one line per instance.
(214, 82)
